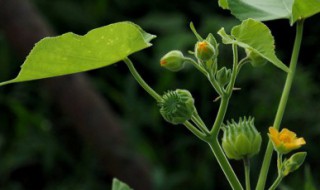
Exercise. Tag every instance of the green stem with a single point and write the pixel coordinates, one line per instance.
(139, 79)
(214, 144)
(276, 183)
(224, 164)
(196, 65)
(157, 97)
(217, 150)
(220, 116)
(204, 72)
(225, 97)
(234, 70)
(198, 121)
(195, 131)
(215, 85)
(282, 105)
(246, 163)
(280, 176)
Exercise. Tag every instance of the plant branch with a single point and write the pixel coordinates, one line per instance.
(282, 105)
(225, 165)
(195, 131)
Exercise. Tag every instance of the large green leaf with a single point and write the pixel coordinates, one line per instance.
(304, 9)
(260, 9)
(71, 53)
(119, 185)
(264, 10)
(254, 36)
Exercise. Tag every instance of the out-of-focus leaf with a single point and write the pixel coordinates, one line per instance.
(119, 185)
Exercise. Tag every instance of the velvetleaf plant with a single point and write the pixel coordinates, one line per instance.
(70, 53)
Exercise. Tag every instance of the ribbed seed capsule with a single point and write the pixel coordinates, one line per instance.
(177, 106)
(241, 139)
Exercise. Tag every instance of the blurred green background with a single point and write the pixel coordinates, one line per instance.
(39, 149)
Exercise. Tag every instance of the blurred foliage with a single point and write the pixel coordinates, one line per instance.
(39, 149)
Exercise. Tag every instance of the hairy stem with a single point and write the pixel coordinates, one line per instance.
(282, 105)
(139, 79)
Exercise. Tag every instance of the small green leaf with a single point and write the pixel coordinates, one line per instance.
(226, 39)
(303, 9)
(245, 36)
(70, 53)
(119, 185)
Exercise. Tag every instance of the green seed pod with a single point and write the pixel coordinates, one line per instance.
(223, 76)
(241, 140)
(173, 61)
(177, 106)
(204, 50)
(293, 163)
(255, 59)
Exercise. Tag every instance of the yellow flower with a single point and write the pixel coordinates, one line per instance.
(285, 140)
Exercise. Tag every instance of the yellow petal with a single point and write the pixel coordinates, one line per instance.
(300, 141)
(273, 134)
(288, 132)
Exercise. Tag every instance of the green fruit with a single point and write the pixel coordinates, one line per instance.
(177, 106)
(241, 140)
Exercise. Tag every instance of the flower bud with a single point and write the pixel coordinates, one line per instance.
(223, 76)
(204, 50)
(173, 61)
(241, 140)
(210, 38)
(255, 59)
(177, 106)
(294, 162)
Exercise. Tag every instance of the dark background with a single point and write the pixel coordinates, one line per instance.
(45, 145)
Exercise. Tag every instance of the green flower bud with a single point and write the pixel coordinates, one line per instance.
(204, 50)
(173, 61)
(210, 38)
(241, 140)
(223, 76)
(293, 163)
(177, 106)
(255, 59)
